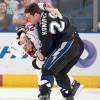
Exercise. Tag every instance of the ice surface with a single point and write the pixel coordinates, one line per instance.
(31, 94)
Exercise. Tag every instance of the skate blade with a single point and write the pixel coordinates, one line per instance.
(44, 98)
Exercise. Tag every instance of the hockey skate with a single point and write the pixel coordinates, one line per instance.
(44, 92)
(44, 97)
(67, 94)
(76, 88)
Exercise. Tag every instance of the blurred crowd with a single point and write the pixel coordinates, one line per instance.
(12, 13)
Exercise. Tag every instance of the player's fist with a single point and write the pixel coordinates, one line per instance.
(54, 11)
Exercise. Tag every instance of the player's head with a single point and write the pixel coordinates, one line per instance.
(33, 13)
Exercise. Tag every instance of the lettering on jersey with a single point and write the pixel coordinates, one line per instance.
(54, 25)
(44, 24)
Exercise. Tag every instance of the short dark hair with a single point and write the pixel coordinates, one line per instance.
(32, 9)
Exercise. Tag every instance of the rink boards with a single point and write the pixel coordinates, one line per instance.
(18, 72)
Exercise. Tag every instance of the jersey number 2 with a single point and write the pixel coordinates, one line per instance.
(59, 26)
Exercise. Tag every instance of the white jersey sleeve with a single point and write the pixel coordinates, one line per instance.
(32, 33)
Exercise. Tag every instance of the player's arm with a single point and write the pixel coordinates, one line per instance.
(54, 11)
(27, 45)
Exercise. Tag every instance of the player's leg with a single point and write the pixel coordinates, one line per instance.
(75, 86)
(47, 81)
(37, 64)
(47, 74)
(57, 61)
(68, 90)
(55, 64)
(64, 83)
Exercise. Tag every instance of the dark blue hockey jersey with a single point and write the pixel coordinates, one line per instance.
(53, 31)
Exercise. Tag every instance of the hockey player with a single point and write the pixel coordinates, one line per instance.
(68, 49)
(59, 35)
(28, 40)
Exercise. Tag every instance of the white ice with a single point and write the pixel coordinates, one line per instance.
(31, 94)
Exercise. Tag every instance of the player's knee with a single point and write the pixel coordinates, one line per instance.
(48, 72)
(60, 76)
(47, 76)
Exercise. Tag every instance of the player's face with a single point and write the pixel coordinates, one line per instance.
(33, 19)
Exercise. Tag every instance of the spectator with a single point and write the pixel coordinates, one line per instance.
(5, 19)
(18, 18)
(12, 6)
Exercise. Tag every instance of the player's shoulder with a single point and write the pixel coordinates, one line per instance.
(66, 19)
